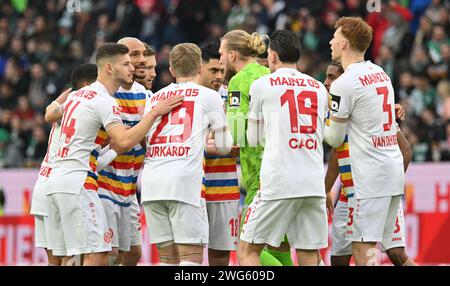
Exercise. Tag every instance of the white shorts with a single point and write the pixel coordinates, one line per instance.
(136, 226)
(39, 197)
(303, 220)
(40, 231)
(77, 224)
(176, 221)
(372, 220)
(119, 222)
(223, 220)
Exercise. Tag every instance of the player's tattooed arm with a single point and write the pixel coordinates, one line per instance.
(54, 111)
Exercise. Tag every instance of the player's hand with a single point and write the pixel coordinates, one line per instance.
(167, 105)
(211, 148)
(330, 207)
(235, 151)
(400, 112)
(65, 94)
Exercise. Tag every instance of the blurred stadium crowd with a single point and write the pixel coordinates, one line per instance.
(42, 41)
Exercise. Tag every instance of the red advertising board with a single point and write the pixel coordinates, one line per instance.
(427, 219)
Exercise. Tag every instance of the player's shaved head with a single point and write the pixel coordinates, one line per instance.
(131, 42)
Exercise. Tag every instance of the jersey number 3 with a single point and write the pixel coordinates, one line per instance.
(386, 106)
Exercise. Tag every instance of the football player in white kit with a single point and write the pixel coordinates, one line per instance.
(362, 116)
(81, 76)
(221, 179)
(171, 180)
(76, 217)
(118, 181)
(341, 249)
(289, 109)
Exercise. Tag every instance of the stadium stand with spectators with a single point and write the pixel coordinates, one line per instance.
(42, 41)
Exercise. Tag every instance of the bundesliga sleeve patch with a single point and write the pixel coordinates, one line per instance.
(335, 102)
(116, 110)
(234, 98)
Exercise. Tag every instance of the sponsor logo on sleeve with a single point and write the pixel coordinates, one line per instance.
(234, 98)
(116, 110)
(335, 102)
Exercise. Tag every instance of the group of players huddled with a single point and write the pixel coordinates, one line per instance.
(183, 143)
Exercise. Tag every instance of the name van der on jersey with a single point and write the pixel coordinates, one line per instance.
(171, 93)
(373, 78)
(292, 81)
(384, 141)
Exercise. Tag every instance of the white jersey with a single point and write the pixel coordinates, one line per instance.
(39, 200)
(293, 106)
(85, 112)
(364, 94)
(52, 149)
(176, 142)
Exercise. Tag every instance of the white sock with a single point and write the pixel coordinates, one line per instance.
(189, 263)
(167, 264)
(321, 263)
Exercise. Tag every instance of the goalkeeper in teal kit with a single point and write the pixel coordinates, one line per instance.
(238, 50)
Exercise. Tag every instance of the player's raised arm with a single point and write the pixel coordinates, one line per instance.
(127, 138)
(54, 111)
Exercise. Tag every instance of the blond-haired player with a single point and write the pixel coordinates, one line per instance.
(221, 180)
(171, 180)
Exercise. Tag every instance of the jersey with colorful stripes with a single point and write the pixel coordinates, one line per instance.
(345, 170)
(91, 179)
(221, 181)
(117, 181)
